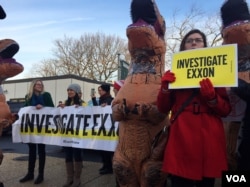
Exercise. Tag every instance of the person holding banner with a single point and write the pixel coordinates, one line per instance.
(104, 100)
(73, 156)
(39, 98)
(195, 153)
(82, 101)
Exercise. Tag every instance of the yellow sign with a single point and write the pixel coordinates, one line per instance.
(219, 64)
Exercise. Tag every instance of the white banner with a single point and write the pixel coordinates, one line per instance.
(89, 127)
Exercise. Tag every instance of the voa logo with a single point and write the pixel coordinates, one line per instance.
(236, 178)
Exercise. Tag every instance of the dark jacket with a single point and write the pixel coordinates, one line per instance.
(243, 91)
(46, 98)
(107, 98)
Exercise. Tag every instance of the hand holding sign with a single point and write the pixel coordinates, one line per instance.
(207, 89)
(167, 78)
(191, 66)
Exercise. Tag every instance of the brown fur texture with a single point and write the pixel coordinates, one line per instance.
(6, 117)
(138, 156)
(8, 68)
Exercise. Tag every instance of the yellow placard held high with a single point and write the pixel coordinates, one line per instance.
(219, 64)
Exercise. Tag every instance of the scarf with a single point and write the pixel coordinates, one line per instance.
(37, 99)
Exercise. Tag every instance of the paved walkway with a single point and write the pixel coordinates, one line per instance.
(14, 167)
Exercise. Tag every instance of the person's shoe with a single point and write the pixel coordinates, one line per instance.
(106, 171)
(39, 179)
(27, 177)
(1, 184)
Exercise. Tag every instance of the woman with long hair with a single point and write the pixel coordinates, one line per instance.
(104, 100)
(195, 153)
(39, 98)
(73, 156)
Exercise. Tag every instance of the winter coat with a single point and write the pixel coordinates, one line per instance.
(47, 99)
(107, 98)
(196, 146)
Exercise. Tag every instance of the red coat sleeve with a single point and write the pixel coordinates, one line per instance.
(164, 102)
(222, 106)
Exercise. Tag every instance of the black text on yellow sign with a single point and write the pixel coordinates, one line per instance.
(201, 67)
(219, 64)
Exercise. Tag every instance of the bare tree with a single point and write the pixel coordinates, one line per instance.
(45, 68)
(94, 56)
(180, 24)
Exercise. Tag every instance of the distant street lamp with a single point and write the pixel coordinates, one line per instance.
(123, 67)
(119, 66)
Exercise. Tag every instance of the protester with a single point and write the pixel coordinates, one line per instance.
(104, 100)
(81, 100)
(39, 98)
(60, 103)
(73, 156)
(196, 150)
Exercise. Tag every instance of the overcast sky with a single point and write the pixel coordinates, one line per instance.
(35, 24)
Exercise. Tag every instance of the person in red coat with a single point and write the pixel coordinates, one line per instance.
(196, 150)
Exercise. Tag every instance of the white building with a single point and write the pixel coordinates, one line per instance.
(56, 86)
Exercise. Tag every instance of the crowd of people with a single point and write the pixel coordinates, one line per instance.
(195, 154)
(38, 97)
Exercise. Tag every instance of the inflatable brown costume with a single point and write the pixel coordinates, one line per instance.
(138, 157)
(8, 68)
(236, 30)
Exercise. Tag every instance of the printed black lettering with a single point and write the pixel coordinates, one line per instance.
(70, 125)
(48, 123)
(224, 59)
(186, 62)
(86, 124)
(39, 123)
(112, 129)
(22, 122)
(102, 128)
(202, 61)
(95, 119)
(58, 124)
(200, 72)
(64, 117)
(29, 123)
(78, 123)
(209, 61)
(196, 62)
(180, 64)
